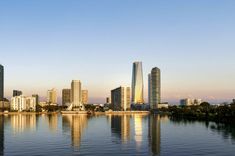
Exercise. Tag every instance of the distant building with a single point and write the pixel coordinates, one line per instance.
(17, 93)
(190, 102)
(22, 103)
(163, 105)
(108, 101)
(137, 83)
(52, 96)
(31, 103)
(1, 82)
(76, 94)
(43, 104)
(120, 98)
(84, 96)
(66, 97)
(37, 98)
(154, 92)
(4, 104)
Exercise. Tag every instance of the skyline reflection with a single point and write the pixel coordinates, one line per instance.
(2, 138)
(23, 122)
(131, 133)
(120, 125)
(155, 133)
(138, 129)
(76, 124)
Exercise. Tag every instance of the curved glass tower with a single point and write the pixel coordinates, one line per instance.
(137, 83)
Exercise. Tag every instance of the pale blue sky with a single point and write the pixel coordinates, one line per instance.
(47, 43)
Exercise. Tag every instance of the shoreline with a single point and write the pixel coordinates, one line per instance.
(127, 112)
(95, 113)
(25, 113)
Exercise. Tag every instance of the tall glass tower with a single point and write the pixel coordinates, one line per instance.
(154, 88)
(1, 82)
(137, 83)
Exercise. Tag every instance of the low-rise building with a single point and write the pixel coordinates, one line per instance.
(23, 103)
(163, 105)
(43, 103)
(190, 102)
(4, 105)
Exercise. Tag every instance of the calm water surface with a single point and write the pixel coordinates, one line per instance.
(112, 135)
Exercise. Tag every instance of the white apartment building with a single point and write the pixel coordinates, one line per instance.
(23, 103)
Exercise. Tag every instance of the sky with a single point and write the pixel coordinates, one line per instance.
(45, 44)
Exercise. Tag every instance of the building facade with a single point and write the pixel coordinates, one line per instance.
(17, 93)
(1, 82)
(52, 96)
(120, 98)
(190, 102)
(154, 91)
(66, 97)
(108, 101)
(22, 103)
(137, 83)
(37, 98)
(76, 94)
(84, 96)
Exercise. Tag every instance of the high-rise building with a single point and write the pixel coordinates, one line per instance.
(120, 98)
(154, 90)
(17, 93)
(52, 96)
(84, 96)
(1, 82)
(137, 83)
(37, 98)
(66, 97)
(76, 94)
(149, 89)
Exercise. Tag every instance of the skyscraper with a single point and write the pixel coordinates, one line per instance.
(149, 88)
(1, 82)
(52, 96)
(76, 94)
(84, 96)
(66, 97)
(154, 88)
(137, 83)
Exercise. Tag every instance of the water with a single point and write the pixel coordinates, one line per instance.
(112, 135)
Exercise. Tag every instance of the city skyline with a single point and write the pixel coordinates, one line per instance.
(191, 42)
(103, 99)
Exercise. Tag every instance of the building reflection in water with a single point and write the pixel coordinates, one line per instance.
(76, 124)
(23, 122)
(1, 134)
(155, 133)
(52, 121)
(138, 129)
(120, 125)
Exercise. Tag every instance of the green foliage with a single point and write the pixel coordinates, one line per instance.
(205, 111)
